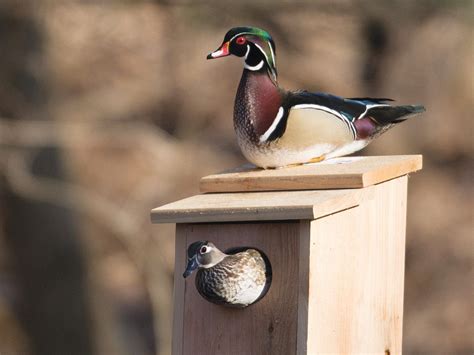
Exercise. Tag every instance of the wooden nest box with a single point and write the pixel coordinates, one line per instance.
(334, 233)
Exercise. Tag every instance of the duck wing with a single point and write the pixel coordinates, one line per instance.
(336, 110)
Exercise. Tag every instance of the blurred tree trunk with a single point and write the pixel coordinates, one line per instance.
(376, 36)
(41, 237)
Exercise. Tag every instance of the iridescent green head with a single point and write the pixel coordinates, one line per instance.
(254, 44)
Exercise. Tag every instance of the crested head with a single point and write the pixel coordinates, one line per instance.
(202, 254)
(254, 44)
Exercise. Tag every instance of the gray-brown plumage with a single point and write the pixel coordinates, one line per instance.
(237, 279)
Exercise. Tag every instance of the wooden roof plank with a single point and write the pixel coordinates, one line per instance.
(345, 172)
(265, 206)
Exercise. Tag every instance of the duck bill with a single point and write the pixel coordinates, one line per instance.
(223, 51)
(191, 266)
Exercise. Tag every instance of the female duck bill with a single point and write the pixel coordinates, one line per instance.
(191, 266)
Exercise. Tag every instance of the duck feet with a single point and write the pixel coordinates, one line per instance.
(317, 159)
(292, 165)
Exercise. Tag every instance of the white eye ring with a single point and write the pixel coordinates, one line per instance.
(204, 249)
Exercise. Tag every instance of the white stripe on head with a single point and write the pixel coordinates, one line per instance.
(253, 34)
(273, 54)
(248, 51)
(240, 34)
(264, 137)
(259, 65)
(263, 52)
(266, 58)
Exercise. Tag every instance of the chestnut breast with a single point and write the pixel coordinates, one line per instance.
(256, 105)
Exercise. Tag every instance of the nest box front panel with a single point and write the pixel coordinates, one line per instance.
(267, 327)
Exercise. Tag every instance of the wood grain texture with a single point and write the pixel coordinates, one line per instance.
(179, 290)
(338, 269)
(303, 287)
(266, 327)
(356, 274)
(356, 172)
(257, 206)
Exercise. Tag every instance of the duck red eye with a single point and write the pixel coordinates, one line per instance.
(240, 40)
(203, 250)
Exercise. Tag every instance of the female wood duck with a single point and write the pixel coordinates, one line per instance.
(277, 128)
(237, 280)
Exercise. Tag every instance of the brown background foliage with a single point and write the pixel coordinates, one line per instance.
(108, 109)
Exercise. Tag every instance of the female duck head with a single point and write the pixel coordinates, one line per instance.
(202, 254)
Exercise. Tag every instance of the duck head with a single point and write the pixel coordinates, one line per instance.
(254, 44)
(202, 254)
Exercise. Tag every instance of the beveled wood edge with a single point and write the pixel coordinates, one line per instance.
(325, 182)
(245, 214)
(350, 198)
(250, 215)
(210, 183)
(412, 164)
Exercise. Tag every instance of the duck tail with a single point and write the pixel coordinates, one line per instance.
(394, 114)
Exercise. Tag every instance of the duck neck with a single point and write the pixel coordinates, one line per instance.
(256, 104)
(217, 257)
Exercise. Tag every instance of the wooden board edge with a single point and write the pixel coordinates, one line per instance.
(232, 182)
(343, 203)
(347, 198)
(261, 184)
(236, 215)
(179, 289)
(412, 163)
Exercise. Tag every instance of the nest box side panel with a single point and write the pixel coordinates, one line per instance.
(266, 327)
(357, 273)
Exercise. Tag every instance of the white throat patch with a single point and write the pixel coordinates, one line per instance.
(255, 67)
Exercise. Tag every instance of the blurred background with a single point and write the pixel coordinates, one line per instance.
(109, 108)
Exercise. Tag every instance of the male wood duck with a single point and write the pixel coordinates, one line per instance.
(276, 127)
(236, 280)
